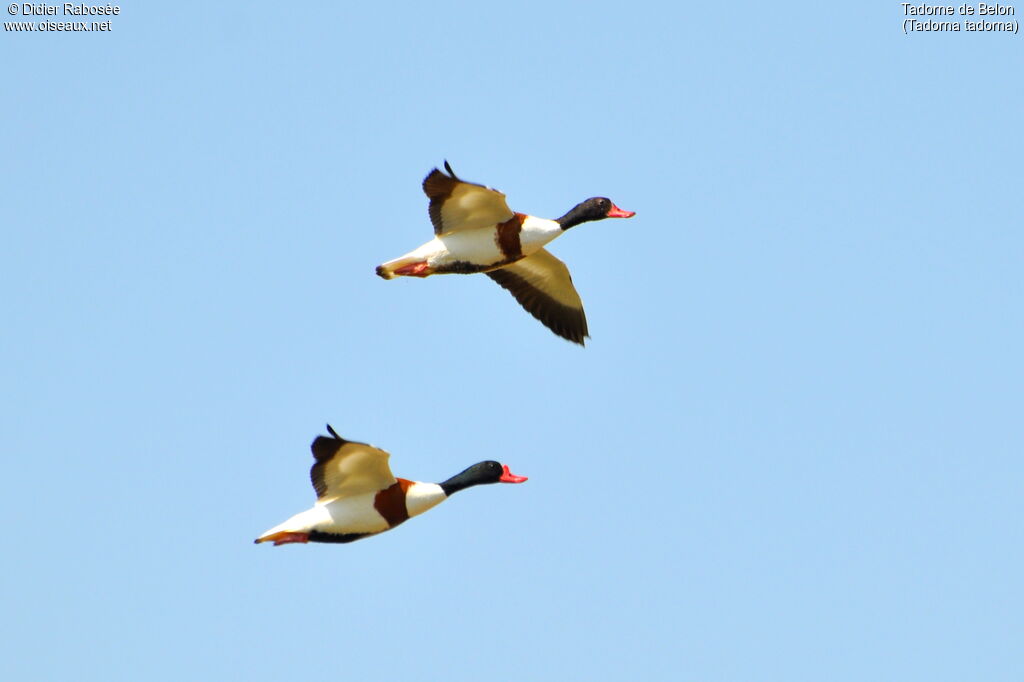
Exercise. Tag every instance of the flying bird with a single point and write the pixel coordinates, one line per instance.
(476, 231)
(358, 496)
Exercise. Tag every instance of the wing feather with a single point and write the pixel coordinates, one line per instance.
(344, 468)
(459, 205)
(542, 285)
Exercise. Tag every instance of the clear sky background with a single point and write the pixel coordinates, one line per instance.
(792, 449)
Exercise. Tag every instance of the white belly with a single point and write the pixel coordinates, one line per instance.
(478, 247)
(357, 514)
(353, 515)
(473, 250)
(349, 515)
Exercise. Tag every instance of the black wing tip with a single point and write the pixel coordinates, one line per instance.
(438, 171)
(574, 329)
(576, 336)
(324, 447)
(570, 335)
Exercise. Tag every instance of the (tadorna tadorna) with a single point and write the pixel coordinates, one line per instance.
(358, 496)
(476, 231)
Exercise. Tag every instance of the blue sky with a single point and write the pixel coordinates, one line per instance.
(790, 451)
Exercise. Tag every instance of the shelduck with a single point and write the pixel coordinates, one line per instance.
(476, 231)
(358, 496)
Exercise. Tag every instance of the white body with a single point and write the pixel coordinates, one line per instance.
(478, 246)
(357, 514)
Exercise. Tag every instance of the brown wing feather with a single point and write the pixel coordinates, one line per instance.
(345, 467)
(459, 205)
(542, 285)
(438, 187)
(324, 448)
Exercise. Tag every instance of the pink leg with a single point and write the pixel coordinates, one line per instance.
(414, 270)
(285, 537)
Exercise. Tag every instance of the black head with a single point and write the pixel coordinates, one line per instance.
(595, 208)
(480, 473)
